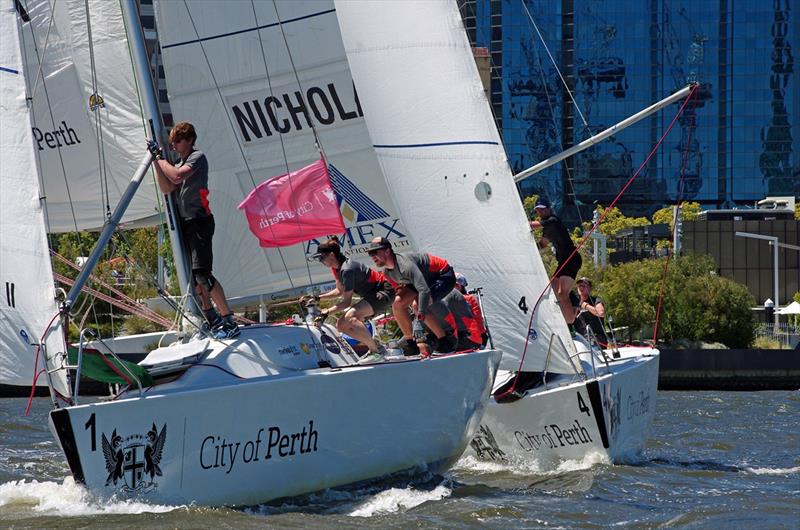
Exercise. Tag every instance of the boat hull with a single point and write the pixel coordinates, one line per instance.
(608, 416)
(273, 437)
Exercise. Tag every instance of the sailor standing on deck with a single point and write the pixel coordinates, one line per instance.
(421, 278)
(354, 277)
(189, 177)
(555, 233)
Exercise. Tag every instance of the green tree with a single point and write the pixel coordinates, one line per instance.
(689, 212)
(528, 203)
(615, 220)
(698, 304)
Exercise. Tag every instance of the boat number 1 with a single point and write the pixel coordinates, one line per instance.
(90, 424)
(581, 407)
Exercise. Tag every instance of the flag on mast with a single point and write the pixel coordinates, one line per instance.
(294, 207)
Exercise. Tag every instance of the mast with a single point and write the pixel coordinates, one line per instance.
(147, 90)
(544, 164)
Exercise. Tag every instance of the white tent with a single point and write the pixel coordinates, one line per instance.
(791, 309)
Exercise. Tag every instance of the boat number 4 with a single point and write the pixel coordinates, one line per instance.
(582, 405)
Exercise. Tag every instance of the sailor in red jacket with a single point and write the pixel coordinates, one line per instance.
(423, 278)
(477, 326)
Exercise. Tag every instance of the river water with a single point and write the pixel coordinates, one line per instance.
(714, 460)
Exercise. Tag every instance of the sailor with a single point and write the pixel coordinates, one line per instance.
(569, 262)
(354, 277)
(477, 325)
(591, 312)
(189, 177)
(421, 278)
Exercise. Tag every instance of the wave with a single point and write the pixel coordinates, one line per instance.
(396, 500)
(525, 467)
(773, 471)
(65, 499)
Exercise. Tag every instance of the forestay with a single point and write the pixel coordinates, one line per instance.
(440, 151)
(65, 130)
(230, 72)
(27, 294)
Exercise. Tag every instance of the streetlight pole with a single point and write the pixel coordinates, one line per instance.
(774, 242)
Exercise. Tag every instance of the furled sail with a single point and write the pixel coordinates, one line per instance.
(445, 166)
(27, 293)
(86, 157)
(253, 87)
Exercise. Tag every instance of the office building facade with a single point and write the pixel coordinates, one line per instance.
(736, 142)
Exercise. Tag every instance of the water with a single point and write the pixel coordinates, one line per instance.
(714, 460)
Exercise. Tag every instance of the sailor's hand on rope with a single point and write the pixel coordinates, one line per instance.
(155, 149)
(320, 319)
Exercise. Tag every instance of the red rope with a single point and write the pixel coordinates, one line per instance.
(674, 225)
(588, 234)
(36, 365)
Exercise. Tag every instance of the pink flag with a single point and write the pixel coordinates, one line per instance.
(294, 207)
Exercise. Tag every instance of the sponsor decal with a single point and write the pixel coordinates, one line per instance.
(553, 436)
(133, 462)
(485, 445)
(64, 136)
(260, 117)
(638, 405)
(330, 344)
(268, 444)
(612, 405)
(533, 334)
(364, 219)
(289, 349)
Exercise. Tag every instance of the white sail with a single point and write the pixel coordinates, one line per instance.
(81, 151)
(440, 151)
(252, 99)
(27, 293)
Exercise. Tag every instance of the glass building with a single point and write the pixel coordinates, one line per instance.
(736, 142)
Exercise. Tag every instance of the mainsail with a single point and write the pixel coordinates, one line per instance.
(445, 166)
(253, 81)
(27, 293)
(74, 49)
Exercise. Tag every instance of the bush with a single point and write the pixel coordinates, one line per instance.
(698, 305)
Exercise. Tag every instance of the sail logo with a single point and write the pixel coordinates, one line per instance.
(52, 139)
(258, 117)
(364, 218)
(133, 461)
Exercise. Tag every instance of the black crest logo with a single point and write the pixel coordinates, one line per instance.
(485, 445)
(133, 462)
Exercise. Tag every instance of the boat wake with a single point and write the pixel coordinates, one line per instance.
(20, 498)
(710, 465)
(527, 467)
(773, 471)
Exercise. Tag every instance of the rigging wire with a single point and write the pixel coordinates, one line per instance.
(95, 104)
(565, 165)
(230, 121)
(679, 212)
(586, 237)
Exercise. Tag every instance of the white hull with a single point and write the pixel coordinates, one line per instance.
(609, 416)
(298, 431)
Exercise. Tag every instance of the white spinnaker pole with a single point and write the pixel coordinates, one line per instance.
(544, 164)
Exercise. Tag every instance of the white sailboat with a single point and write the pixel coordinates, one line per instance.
(446, 169)
(280, 410)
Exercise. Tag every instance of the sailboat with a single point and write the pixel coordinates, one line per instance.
(444, 163)
(279, 411)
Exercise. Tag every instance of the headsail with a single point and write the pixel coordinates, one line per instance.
(76, 167)
(253, 100)
(445, 166)
(27, 293)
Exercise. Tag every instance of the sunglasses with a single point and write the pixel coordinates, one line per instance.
(373, 252)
